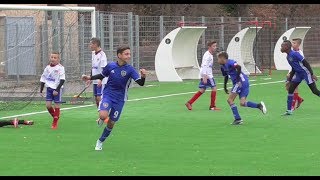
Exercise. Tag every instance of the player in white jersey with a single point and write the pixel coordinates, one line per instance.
(53, 77)
(207, 79)
(99, 61)
(297, 100)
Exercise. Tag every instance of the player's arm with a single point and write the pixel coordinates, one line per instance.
(291, 74)
(62, 80)
(98, 76)
(139, 80)
(238, 69)
(226, 78)
(42, 80)
(307, 65)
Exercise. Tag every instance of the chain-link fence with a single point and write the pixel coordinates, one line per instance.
(70, 33)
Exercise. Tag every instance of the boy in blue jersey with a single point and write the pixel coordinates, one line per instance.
(114, 94)
(240, 87)
(301, 70)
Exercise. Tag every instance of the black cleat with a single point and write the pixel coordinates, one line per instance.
(237, 122)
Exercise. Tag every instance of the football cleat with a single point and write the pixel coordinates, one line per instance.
(299, 103)
(189, 106)
(214, 109)
(98, 145)
(287, 113)
(262, 107)
(27, 122)
(237, 122)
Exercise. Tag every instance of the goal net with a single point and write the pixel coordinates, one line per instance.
(28, 35)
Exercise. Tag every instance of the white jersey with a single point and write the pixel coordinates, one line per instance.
(99, 61)
(206, 65)
(52, 74)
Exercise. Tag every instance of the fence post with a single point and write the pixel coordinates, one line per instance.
(17, 52)
(203, 36)
(44, 42)
(286, 24)
(161, 28)
(101, 24)
(222, 33)
(111, 35)
(239, 25)
(81, 42)
(137, 41)
(130, 34)
(61, 36)
(55, 33)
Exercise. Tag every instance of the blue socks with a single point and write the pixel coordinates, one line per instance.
(251, 104)
(235, 112)
(105, 134)
(289, 102)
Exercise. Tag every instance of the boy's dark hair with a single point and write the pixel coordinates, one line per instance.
(288, 43)
(223, 54)
(96, 41)
(122, 48)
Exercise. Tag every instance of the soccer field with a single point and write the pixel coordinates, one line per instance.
(157, 135)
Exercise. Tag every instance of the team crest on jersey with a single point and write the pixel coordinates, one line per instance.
(123, 73)
(112, 71)
(105, 105)
(290, 59)
(56, 71)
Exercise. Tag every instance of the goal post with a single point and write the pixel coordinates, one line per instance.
(28, 35)
(56, 8)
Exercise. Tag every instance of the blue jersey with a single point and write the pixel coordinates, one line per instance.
(295, 59)
(229, 69)
(119, 80)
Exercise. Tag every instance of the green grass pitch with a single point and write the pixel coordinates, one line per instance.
(159, 136)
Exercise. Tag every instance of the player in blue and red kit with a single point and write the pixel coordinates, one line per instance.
(114, 95)
(301, 70)
(240, 87)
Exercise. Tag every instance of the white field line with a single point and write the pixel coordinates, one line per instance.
(138, 99)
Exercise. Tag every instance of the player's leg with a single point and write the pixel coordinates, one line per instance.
(97, 94)
(292, 86)
(211, 83)
(57, 102)
(299, 99)
(49, 99)
(114, 116)
(233, 94)
(243, 94)
(8, 122)
(234, 109)
(202, 89)
(97, 91)
(314, 89)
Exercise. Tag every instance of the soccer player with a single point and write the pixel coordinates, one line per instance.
(297, 100)
(301, 70)
(207, 79)
(114, 94)
(53, 78)
(15, 122)
(99, 61)
(240, 87)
